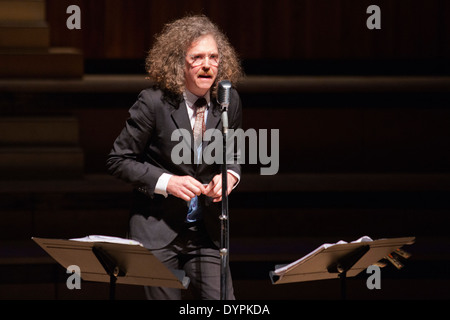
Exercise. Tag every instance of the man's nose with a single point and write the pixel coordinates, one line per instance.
(206, 63)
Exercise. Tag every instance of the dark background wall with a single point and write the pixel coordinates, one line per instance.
(289, 30)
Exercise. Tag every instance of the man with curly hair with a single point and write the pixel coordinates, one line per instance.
(176, 207)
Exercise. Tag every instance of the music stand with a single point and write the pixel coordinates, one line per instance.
(114, 263)
(340, 260)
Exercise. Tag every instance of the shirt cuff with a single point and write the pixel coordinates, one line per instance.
(238, 177)
(161, 184)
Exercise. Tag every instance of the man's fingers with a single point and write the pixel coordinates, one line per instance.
(214, 188)
(185, 197)
(194, 188)
(184, 187)
(208, 188)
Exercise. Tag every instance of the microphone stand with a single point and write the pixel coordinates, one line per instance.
(224, 230)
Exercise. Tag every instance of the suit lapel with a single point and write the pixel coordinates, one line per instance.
(214, 116)
(181, 119)
(213, 119)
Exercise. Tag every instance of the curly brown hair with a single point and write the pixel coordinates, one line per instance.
(166, 59)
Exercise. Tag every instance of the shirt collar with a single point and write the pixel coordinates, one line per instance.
(191, 98)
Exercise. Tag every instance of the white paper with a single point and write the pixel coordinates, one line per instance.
(282, 270)
(99, 238)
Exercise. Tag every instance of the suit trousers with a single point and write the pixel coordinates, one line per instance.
(195, 253)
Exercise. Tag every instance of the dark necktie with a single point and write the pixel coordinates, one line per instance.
(199, 125)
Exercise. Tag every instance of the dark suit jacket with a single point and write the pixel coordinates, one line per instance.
(142, 152)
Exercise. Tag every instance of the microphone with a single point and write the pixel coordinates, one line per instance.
(223, 94)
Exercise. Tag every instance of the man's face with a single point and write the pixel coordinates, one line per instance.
(202, 60)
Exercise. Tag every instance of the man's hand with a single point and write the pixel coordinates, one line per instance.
(214, 188)
(184, 187)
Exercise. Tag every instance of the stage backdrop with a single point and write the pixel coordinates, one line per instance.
(278, 30)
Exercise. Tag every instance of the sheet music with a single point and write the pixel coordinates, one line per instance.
(110, 239)
(282, 270)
